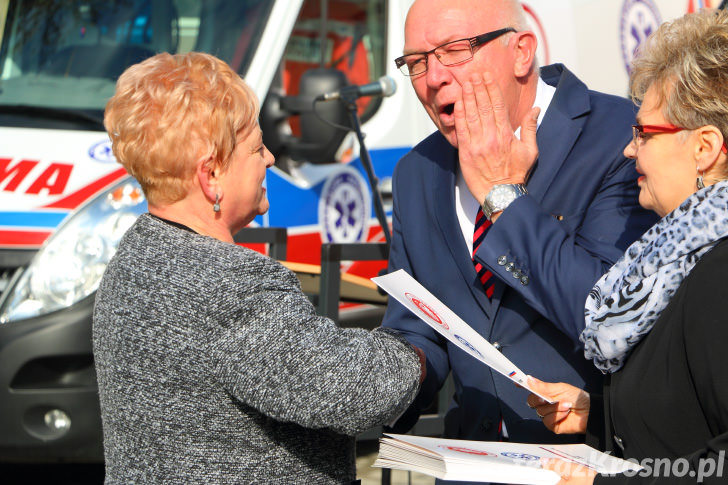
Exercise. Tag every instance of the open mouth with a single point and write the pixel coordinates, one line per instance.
(448, 109)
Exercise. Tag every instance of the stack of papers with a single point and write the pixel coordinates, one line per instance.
(488, 461)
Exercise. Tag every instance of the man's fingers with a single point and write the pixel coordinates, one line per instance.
(497, 105)
(462, 130)
(482, 98)
(470, 104)
(529, 126)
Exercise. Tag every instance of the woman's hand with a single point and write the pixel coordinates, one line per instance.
(570, 411)
(570, 473)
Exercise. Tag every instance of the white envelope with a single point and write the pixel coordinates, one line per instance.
(437, 315)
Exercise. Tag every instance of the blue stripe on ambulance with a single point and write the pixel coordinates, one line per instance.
(292, 206)
(34, 220)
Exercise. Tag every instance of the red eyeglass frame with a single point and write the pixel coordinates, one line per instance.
(669, 128)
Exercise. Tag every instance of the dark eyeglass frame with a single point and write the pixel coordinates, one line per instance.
(638, 132)
(474, 42)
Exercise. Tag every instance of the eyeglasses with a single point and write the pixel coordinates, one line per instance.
(449, 54)
(639, 132)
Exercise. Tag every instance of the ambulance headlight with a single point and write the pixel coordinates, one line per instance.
(69, 266)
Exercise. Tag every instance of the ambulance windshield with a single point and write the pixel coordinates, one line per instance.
(67, 54)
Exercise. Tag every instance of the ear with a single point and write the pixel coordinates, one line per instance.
(525, 52)
(208, 173)
(708, 150)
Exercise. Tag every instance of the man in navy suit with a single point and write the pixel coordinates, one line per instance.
(541, 155)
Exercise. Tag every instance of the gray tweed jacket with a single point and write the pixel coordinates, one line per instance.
(213, 367)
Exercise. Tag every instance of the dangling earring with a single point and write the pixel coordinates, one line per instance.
(216, 205)
(699, 181)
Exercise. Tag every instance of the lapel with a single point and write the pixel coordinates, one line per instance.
(443, 184)
(556, 136)
(560, 128)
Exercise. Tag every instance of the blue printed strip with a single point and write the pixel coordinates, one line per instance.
(291, 206)
(41, 219)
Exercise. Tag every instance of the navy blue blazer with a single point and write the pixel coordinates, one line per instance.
(580, 214)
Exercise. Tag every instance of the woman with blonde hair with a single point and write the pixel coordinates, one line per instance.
(212, 365)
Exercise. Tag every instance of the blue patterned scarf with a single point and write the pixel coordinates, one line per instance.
(625, 303)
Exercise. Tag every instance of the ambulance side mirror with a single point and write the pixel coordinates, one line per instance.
(317, 138)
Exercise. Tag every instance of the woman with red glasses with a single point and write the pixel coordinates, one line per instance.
(657, 322)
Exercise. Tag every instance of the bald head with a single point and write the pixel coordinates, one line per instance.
(502, 12)
(508, 59)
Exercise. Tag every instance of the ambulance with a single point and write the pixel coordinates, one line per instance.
(65, 202)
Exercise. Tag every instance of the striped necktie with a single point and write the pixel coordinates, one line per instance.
(484, 275)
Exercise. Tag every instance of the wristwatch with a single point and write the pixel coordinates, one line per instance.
(501, 196)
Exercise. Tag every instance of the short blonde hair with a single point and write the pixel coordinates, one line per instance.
(170, 110)
(686, 60)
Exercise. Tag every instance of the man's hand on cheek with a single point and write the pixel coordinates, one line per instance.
(489, 152)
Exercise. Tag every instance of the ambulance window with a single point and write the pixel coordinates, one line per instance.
(74, 50)
(354, 42)
(88, 38)
(228, 29)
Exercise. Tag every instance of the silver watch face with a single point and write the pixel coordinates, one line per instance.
(502, 195)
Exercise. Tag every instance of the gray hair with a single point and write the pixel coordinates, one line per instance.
(517, 19)
(686, 60)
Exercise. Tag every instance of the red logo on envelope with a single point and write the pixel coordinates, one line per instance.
(425, 308)
(469, 450)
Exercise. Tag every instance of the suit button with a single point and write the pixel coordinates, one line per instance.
(487, 424)
(502, 260)
(497, 346)
(524, 280)
(517, 274)
(510, 266)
